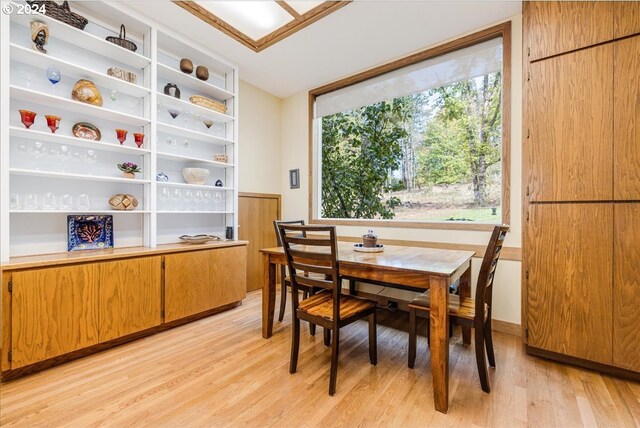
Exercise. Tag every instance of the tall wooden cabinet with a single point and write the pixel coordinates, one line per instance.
(581, 173)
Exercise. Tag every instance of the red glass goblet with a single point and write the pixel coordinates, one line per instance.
(139, 139)
(53, 122)
(27, 117)
(121, 135)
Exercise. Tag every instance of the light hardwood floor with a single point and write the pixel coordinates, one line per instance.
(219, 371)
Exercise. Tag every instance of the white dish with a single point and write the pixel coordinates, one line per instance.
(362, 249)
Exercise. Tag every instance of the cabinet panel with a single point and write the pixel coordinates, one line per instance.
(188, 289)
(569, 289)
(626, 287)
(626, 18)
(54, 311)
(130, 296)
(555, 27)
(627, 119)
(228, 272)
(570, 117)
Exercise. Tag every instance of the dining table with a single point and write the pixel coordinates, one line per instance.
(405, 267)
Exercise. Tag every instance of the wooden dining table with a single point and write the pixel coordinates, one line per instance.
(413, 268)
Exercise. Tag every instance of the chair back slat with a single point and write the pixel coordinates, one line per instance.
(484, 289)
(313, 254)
(289, 222)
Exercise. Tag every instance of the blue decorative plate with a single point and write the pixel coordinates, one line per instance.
(89, 232)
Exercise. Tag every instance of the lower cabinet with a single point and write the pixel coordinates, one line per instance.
(130, 297)
(202, 280)
(54, 311)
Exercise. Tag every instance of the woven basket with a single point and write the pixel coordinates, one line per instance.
(122, 40)
(369, 241)
(208, 103)
(127, 76)
(221, 158)
(61, 12)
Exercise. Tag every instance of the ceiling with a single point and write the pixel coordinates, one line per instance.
(357, 37)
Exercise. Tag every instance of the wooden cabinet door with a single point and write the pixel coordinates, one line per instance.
(571, 127)
(187, 288)
(569, 285)
(228, 273)
(626, 287)
(627, 119)
(626, 18)
(53, 311)
(555, 27)
(130, 296)
(256, 213)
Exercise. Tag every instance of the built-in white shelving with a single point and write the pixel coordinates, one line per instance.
(34, 163)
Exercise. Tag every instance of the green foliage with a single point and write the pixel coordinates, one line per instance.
(360, 148)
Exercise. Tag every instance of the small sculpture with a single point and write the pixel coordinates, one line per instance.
(86, 91)
(39, 36)
(162, 177)
(186, 66)
(172, 90)
(202, 72)
(219, 183)
(123, 202)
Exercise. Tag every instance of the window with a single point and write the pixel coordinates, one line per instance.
(422, 141)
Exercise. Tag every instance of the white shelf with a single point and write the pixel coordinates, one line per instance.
(90, 212)
(84, 40)
(66, 175)
(42, 61)
(49, 137)
(181, 106)
(180, 78)
(195, 212)
(171, 156)
(29, 95)
(194, 135)
(193, 186)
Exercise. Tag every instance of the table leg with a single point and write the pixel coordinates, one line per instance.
(465, 292)
(268, 295)
(439, 327)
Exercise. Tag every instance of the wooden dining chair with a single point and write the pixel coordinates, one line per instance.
(328, 308)
(473, 312)
(285, 282)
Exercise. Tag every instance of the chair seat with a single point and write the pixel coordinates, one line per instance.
(321, 305)
(464, 308)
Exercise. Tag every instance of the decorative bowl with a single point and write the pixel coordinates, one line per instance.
(198, 239)
(195, 175)
(86, 131)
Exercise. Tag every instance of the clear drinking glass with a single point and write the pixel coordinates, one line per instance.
(84, 203)
(15, 202)
(176, 200)
(198, 199)
(187, 197)
(49, 202)
(164, 198)
(66, 202)
(208, 200)
(31, 201)
(54, 76)
(218, 201)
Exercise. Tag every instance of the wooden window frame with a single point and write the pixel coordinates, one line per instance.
(299, 22)
(501, 30)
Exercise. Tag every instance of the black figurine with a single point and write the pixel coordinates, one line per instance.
(219, 183)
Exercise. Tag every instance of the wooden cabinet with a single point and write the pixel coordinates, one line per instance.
(202, 280)
(626, 287)
(627, 119)
(555, 27)
(187, 285)
(569, 285)
(570, 117)
(626, 18)
(54, 311)
(228, 275)
(130, 297)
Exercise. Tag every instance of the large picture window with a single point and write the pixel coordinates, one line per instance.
(422, 143)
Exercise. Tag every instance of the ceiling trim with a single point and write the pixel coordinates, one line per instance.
(299, 22)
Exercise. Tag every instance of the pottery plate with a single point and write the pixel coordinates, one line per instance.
(198, 239)
(361, 248)
(86, 131)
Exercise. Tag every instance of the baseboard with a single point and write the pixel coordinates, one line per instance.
(586, 364)
(506, 327)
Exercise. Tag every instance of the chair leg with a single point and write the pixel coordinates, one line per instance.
(352, 287)
(283, 299)
(327, 336)
(295, 344)
(412, 338)
(480, 359)
(335, 344)
(373, 340)
(488, 341)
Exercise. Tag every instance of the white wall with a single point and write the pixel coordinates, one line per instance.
(259, 140)
(295, 148)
